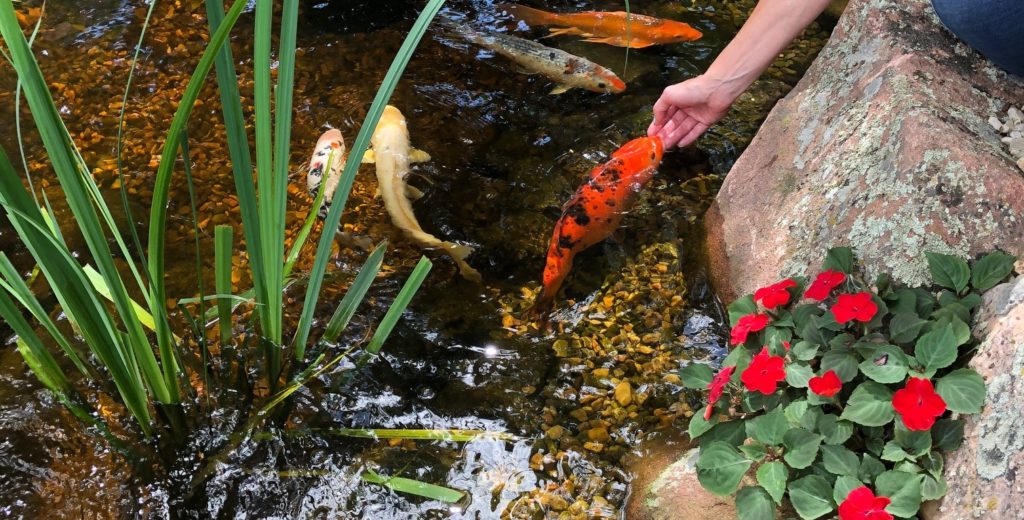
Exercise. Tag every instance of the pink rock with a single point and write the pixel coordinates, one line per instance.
(884, 146)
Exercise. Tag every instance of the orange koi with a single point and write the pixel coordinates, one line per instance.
(609, 27)
(597, 208)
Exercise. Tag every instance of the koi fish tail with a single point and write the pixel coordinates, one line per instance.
(541, 306)
(529, 15)
(459, 253)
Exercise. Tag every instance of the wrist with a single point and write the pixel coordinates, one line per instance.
(722, 90)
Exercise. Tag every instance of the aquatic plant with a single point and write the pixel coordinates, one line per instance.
(838, 396)
(150, 373)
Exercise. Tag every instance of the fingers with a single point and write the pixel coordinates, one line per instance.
(693, 134)
(660, 120)
(669, 137)
(677, 118)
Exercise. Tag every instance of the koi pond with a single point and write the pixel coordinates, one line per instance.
(580, 401)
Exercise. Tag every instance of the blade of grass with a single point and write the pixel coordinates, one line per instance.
(76, 182)
(413, 487)
(344, 187)
(14, 285)
(307, 226)
(158, 211)
(262, 86)
(451, 435)
(120, 133)
(73, 291)
(387, 324)
(222, 237)
(17, 109)
(354, 295)
(241, 161)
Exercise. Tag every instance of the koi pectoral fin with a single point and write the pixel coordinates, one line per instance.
(559, 89)
(369, 157)
(566, 31)
(622, 41)
(418, 156)
(412, 192)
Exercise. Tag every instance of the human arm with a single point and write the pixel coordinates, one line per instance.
(685, 110)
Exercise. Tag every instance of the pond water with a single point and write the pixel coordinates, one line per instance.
(581, 398)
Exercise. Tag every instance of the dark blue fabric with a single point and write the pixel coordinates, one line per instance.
(995, 28)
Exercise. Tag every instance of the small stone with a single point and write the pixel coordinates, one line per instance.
(1020, 163)
(598, 434)
(595, 447)
(624, 393)
(600, 372)
(671, 378)
(555, 432)
(995, 122)
(644, 349)
(579, 414)
(1017, 147)
(1016, 116)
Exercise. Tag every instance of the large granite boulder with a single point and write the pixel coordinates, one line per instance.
(982, 474)
(884, 145)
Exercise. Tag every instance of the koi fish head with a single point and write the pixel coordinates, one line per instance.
(606, 81)
(642, 152)
(331, 142)
(679, 32)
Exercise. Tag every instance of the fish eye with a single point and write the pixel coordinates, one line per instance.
(601, 85)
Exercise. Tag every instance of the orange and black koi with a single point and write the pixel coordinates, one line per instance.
(597, 208)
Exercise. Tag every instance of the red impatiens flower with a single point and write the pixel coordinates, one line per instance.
(764, 373)
(862, 504)
(918, 404)
(746, 325)
(717, 385)
(774, 295)
(854, 307)
(823, 284)
(826, 385)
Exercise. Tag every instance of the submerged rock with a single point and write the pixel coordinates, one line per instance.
(666, 487)
(885, 146)
(982, 473)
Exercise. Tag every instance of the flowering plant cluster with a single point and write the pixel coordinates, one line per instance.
(840, 395)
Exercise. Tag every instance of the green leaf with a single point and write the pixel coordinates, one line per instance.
(732, 433)
(844, 484)
(870, 468)
(953, 310)
(948, 271)
(355, 294)
(698, 426)
(414, 487)
(971, 300)
(925, 302)
(797, 375)
(904, 489)
(775, 339)
(802, 314)
(811, 496)
(963, 390)
(869, 405)
(887, 365)
(740, 358)
(908, 466)
(933, 488)
(839, 460)
(937, 349)
(905, 326)
(916, 443)
(893, 452)
(903, 301)
(768, 428)
(961, 331)
(753, 503)
(804, 351)
(720, 467)
(795, 411)
(740, 308)
(991, 269)
(835, 430)
(839, 259)
(696, 375)
(810, 419)
(948, 434)
(820, 329)
(773, 477)
(801, 447)
(843, 361)
(754, 451)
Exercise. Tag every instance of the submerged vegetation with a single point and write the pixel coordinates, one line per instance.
(157, 377)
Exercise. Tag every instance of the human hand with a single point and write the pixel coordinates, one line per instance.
(685, 110)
